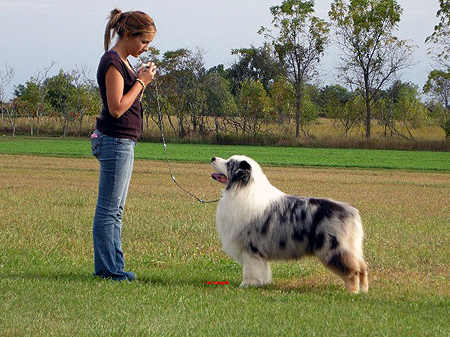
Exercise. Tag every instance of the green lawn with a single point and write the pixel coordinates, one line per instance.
(170, 242)
(287, 156)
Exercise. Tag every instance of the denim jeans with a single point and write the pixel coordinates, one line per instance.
(116, 156)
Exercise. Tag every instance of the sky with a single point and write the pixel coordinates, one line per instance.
(35, 33)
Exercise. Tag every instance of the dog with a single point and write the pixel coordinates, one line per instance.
(257, 223)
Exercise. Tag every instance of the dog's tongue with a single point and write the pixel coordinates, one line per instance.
(219, 177)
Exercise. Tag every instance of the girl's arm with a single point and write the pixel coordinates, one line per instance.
(118, 103)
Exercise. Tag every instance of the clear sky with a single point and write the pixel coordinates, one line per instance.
(70, 32)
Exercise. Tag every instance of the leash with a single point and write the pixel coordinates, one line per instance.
(163, 138)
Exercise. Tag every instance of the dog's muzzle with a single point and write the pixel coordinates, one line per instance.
(220, 177)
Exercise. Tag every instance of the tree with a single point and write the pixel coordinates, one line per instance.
(386, 115)
(220, 103)
(309, 110)
(400, 105)
(282, 99)
(438, 86)
(300, 44)
(255, 63)
(15, 109)
(331, 94)
(58, 96)
(409, 110)
(344, 109)
(5, 80)
(372, 55)
(33, 93)
(179, 75)
(28, 95)
(441, 34)
(85, 97)
(253, 105)
(152, 101)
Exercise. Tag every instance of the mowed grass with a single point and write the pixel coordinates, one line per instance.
(170, 242)
(286, 156)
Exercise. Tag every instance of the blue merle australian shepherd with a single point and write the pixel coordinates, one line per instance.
(257, 223)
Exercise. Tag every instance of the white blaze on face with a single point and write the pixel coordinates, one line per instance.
(219, 166)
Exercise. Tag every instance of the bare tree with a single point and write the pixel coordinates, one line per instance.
(5, 80)
(42, 91)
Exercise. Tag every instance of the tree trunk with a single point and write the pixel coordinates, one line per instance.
(38, 124)
(65, 127)
(298, 111)
(368, 112)
(31, 126)
(80, 130)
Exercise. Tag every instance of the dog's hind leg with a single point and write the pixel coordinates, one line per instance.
(363, 276)
(348, 267)
(256, 271)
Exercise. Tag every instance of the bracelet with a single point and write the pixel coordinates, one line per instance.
(141, 82)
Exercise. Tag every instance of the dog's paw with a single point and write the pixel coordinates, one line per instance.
(364, 288)
(247, 284)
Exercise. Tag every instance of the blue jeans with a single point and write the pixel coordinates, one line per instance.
(116, 156)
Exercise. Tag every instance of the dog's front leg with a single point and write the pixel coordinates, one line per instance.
(256, 272)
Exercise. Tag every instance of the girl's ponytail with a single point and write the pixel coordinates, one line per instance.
(113, 25)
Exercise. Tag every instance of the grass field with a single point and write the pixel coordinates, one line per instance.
(169, 239)
(287, 156)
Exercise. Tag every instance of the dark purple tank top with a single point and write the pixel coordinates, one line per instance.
(129, 125)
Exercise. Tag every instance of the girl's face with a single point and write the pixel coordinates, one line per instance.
(138, 44)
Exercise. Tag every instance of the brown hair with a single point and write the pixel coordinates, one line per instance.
(131, 23)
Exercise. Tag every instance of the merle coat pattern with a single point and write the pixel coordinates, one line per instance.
(257, 223)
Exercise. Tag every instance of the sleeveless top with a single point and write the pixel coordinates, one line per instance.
(129, 125)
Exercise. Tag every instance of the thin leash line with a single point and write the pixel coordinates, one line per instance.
(163, 138)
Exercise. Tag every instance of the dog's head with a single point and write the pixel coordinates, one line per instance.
(235, 172)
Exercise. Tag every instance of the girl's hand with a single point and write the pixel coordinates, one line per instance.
(147, 72)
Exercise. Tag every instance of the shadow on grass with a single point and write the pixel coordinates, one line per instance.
(185, 280)
(295, 286)
(170, 279)
(83, 277)
(50, 276)
(308, 288)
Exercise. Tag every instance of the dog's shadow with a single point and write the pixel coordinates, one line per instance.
(298, 286)
(306, 288)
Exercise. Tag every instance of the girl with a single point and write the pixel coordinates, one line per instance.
(117, 131)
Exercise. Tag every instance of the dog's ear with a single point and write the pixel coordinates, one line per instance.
(243, 171)
(244, 165)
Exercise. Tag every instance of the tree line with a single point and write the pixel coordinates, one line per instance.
(271, 83)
